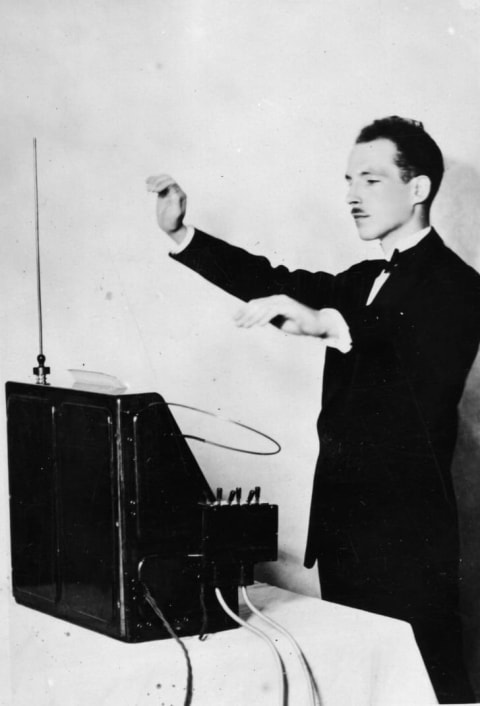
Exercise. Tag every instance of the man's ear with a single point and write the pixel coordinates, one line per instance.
(421, 187)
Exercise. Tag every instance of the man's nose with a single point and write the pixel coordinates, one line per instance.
(353, 195)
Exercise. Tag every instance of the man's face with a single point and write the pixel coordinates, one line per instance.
(380, 202)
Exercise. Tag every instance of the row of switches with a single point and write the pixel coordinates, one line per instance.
(236, 495)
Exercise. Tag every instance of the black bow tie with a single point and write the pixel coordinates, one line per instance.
(390, 265)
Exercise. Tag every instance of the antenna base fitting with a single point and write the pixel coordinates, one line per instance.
(41, 371)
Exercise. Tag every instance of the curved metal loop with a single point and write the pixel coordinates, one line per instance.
(277, 449)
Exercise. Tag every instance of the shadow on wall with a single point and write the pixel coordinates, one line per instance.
(459, 216)
(466, 475)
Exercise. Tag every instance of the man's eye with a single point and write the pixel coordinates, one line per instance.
(373, 181)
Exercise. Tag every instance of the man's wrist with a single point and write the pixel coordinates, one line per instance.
(182, 239)
(333, 328)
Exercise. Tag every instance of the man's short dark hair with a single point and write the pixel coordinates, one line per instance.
(417, 152)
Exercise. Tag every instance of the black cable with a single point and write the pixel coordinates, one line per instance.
(154, 606)
(203, 629)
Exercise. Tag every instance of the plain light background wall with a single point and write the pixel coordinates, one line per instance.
(253, 106)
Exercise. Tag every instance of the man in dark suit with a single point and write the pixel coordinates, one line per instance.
(402, 334)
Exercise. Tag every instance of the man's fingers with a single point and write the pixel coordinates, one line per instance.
(259, 312)
(246, 318)
(255, 314)
(159, 183)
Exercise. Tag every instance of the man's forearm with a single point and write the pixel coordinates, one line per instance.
(248, 276)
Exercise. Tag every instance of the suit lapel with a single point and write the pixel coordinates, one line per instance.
(412, 271)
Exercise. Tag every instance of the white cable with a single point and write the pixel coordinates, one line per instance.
(282, 680)
(314, 696)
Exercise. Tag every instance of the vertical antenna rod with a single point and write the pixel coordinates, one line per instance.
(41, 371)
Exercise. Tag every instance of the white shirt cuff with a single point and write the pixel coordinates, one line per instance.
(342, 343)
(180, 247)
(339, 337)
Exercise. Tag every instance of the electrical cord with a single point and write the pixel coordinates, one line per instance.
(313, 689)
(154, 606)
(204, 627)
(282, 675)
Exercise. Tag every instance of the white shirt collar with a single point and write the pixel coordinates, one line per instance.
(404, 244)
(411, 240)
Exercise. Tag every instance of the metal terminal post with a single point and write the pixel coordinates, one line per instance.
(250, 497)
(41, 370)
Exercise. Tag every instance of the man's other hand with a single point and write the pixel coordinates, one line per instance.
(299, 319)
(171, 205)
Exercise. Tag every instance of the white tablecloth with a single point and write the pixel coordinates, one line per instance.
(358, 659)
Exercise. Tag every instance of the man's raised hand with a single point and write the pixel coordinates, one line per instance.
(171, 205)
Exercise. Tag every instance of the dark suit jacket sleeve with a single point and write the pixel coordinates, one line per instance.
(248, 276)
